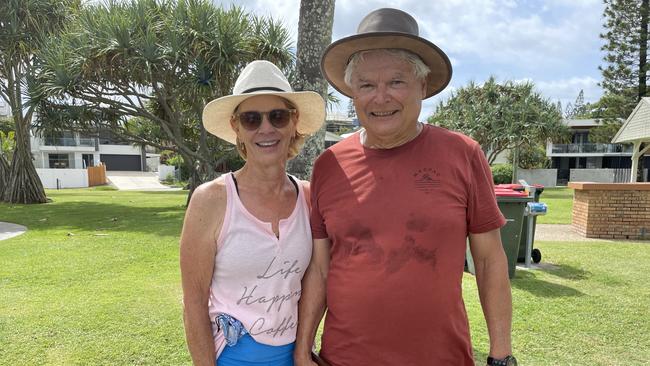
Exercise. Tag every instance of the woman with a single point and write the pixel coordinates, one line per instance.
(246, 239)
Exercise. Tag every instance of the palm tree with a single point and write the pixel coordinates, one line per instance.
(314, 35)
(24, 26)
(6, 148)
(161, 62)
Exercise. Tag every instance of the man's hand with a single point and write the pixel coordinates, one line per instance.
(314, 360)
(303, 361)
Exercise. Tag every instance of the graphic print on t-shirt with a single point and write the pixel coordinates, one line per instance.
(426, 179)
(277, 269)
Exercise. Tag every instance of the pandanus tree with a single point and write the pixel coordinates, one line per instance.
(501, 116)
(156, 63)
(25, 25)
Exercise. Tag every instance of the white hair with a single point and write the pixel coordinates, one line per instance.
(420, 70)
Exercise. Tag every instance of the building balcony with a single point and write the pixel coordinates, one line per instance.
(69, 141)
(589, 149)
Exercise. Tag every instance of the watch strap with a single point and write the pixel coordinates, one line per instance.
(506, 361)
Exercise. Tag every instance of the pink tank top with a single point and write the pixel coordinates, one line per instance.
(256, 275)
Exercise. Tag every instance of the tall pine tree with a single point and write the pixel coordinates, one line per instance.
(579, 107)
(625, 74)
(626, 47)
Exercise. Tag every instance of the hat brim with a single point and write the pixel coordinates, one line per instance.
(336, 57)
(217, 113)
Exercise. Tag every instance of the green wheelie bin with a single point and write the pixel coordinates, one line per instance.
(512, 205)
(536, 255)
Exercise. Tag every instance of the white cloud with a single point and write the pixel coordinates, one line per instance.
(285, 11)
(509, 33)
(530, 34)
(566, 90)
(554, 43)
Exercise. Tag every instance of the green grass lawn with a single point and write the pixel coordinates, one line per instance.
(560, 203)
(590, 308)
(95, 280)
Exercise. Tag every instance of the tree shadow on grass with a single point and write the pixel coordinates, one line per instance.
(530, 282)
(156, 217)
(568, 272)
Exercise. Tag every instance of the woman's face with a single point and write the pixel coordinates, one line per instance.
(265, 125)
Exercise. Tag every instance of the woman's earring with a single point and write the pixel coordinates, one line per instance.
(241, 145)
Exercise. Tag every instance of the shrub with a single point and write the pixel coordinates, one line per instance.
(502, 173)
(169, 179)
(531, 157)
(165, 155)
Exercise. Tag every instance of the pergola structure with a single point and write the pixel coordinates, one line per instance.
(636, 130)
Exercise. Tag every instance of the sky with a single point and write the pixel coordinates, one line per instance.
(553, 43)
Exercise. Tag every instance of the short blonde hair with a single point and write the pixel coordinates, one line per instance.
(420, 69)
(297, 141)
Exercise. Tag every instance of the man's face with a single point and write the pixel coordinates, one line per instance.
(387, 97)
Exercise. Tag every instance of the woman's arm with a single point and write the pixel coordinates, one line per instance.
(198, 247)
(307, 192)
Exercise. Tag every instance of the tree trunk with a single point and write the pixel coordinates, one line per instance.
(143, 158)
(515, 163)
(643, 50)
(314, 35)
(24, 185)
(4, 174)
(203, 170)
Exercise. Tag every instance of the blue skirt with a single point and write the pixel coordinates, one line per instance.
(248, 352)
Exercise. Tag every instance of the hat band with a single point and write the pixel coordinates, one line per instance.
(270, 88)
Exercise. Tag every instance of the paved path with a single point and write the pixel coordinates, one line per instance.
(141, 181)
(9, 230)
(559, 232)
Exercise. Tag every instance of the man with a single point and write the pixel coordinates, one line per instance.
(392, 208)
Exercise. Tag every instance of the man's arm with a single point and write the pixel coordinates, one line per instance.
(312, 301)
(493, 284)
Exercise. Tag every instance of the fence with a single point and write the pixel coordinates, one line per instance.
(623, 175)
(97, 175)
(63, 178)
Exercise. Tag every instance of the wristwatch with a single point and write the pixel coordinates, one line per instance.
(507, 361)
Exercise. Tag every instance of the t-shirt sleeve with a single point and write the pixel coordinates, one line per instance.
(483, 213)
(318, 228)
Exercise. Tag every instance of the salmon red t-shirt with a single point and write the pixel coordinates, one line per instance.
(398, 221)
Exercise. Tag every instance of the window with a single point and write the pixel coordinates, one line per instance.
(88, 160)
(60, 138)
(59, 161)
(581, 137)
(107, 137)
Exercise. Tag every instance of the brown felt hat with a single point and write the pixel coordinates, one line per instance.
(386, 28)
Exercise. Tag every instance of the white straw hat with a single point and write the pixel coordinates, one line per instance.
(261, 77)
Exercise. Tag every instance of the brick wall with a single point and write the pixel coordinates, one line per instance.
(612, 211)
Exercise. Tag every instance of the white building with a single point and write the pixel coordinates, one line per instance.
(583, 154)
(4, 108)
(71, 150)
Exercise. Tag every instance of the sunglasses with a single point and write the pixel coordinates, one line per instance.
(252, 120)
